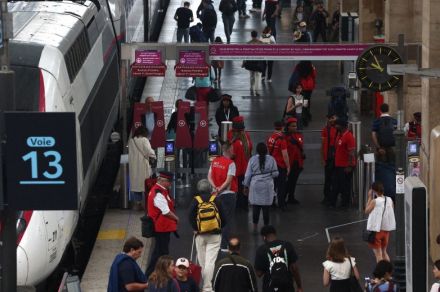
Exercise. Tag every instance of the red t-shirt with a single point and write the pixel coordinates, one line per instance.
(345, 143)
(219, 172)
(295, 143)
(325, 139)
(276, 143)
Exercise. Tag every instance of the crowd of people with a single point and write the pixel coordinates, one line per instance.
(237, 179)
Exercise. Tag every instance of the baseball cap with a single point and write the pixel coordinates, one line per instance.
(182, 262)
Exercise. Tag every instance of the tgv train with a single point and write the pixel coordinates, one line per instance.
(65, 58)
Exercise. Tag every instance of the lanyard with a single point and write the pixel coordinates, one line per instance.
(227, 114)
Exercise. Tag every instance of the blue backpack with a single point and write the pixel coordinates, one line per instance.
(196, 34)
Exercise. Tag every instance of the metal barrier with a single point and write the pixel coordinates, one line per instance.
(367, 164)
(69, 283)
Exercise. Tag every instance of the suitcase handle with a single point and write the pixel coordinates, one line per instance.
(192, 249)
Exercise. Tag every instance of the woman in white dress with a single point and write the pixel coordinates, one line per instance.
(139, 154)
(381, 220)
(338, 267)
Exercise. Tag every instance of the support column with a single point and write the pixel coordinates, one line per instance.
(369, 11)
(430, 109)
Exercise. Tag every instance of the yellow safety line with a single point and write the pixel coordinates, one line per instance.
(112, 234)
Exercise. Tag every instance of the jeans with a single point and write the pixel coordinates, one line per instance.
(209, 34)
(242, 200)
(328, 176)
(271, 22)
(341, 183)
(299, 124)
(208, 246)
(241, 5)
(228, 23)
(183, 32)
(317, 32)
(255, 80)
(269, 66)
(228, 201)
(280, 186)
(256, 214)
(161, 247)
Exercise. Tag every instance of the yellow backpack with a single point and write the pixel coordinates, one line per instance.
(208, 217)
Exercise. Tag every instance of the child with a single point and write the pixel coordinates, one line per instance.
(186, 283)
(382, 281)
(436, 271)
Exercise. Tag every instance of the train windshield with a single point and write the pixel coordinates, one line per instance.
(27, 88)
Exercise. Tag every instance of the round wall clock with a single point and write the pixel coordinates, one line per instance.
(371, 68)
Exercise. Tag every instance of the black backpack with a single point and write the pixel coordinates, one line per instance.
(209, 18)
(385, 135)
(280, 277)
(338, 102)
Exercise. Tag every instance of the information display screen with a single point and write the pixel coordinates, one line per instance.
(169, 148)
(213, 148)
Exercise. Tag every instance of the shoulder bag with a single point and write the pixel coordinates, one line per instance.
(369, 236)
(354, 282)
(151, 160)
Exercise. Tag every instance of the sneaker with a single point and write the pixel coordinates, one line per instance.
(252, 10)
(257, 94)
(269, 80)
(246, 16)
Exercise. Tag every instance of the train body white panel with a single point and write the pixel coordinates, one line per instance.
(87, 76)
(34, 251)
(52, 61)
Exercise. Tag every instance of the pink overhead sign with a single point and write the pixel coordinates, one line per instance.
(192, 58)
(286, 51)
(148, 57)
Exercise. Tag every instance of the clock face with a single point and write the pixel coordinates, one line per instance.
(371, 68)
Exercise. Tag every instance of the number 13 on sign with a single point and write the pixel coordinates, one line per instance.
(54, 169)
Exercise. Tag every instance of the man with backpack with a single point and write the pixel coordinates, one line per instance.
(277, 147)
(221, 176)
(276, 261)
(338, 102)
(207, 218)
(383, 137)
(208, 17)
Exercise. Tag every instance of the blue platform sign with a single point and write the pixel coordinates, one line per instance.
(40, 155)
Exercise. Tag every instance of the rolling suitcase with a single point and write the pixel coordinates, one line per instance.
(195, 271)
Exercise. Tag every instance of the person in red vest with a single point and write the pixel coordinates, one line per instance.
(328, 140)
(345, 162)
(413, 129)
(277, 147)
(295, 143)
(242, 152)
(161, 210)
(221, 176)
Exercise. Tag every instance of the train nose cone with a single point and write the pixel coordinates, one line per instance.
(22, 266)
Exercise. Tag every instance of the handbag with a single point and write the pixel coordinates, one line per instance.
(147, 227)
(370, 236)
(354, 283)
(191, 93)
(214, 95)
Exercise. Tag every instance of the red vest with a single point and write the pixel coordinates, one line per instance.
(219, 172)
(295, 143)
(161, 222)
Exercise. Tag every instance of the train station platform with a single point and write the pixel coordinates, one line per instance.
(305, 224)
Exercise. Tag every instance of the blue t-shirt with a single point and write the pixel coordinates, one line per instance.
(170, 287)
(188, 285)
(382, 287)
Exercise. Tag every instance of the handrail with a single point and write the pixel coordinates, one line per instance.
(63, 282)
